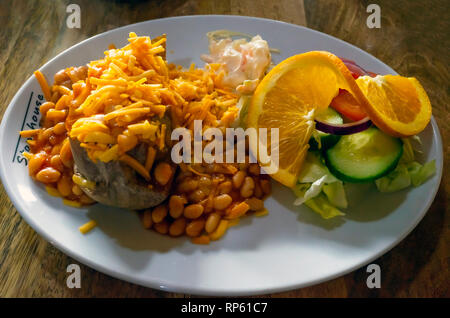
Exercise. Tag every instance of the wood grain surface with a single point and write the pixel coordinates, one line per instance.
(414, 39)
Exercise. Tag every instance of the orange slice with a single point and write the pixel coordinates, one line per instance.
(288, 98)
(397, 105)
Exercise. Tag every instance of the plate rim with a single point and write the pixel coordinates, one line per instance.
(195, 290)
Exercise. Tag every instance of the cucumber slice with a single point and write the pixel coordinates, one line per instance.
(326, 140)
(364, 156)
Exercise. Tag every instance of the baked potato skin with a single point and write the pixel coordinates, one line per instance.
(117, 184)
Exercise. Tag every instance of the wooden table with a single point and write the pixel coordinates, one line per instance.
(414, 39)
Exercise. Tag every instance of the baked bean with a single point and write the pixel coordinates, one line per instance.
(147, 219)
(197, 195)
(206, 191)
(59, 129)
(247, 187)
(47, 133)
(56, 149)
(219, 177)
(66, 154)
(266, 186)
(36, 162)
(64, 186)
(212, 222)
(195, 227)
(48, 175)
(77, 190)
(238, 179)
(176, 206)
(163, 172)
(53, 140)
(204, 182)
(77, 88)
(161, 227)
(45, 107)
(61, 77)
(221, 202)
(225, 187)
(257, 192)
(254, 169)
(159, 213)
(47, 148)
(188, 185)
(183, 174)
(78, 73)
(193, 211)
(177, 227)
(255, 204)
(56, 163)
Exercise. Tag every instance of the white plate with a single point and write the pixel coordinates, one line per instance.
(289, 248)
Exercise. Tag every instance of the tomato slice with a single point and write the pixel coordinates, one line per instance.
(345, 104)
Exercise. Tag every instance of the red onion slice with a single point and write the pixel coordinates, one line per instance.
(355, 69)
(344, 129)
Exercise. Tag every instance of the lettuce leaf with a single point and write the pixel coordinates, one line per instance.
(312, 191)
(313, 169)
(336, 194)
(318, 189)
(408, 151)
(321, 205)
(419, 174)
(397, 180)
(406, 174)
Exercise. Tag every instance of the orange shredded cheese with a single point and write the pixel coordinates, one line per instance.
(262, 212)
(135, 165)
(162, 137)
(151, 154)
(220, 230)
(189, 167)
(52, 191)
(202, 240)
(44, 85)
(87, 227)
(29, 133)
(72, 203)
